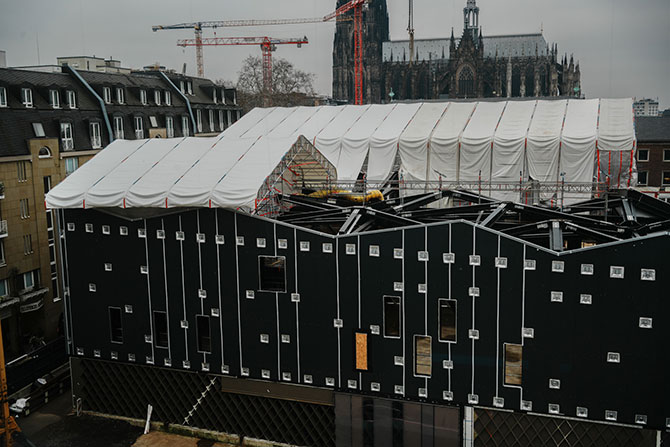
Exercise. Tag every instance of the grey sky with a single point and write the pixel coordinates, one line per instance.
(623, 45)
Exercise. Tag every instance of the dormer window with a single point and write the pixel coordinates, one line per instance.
(71, 99)
(157, 97)
(143, 97)
(189, 86)
(181, 87)
(27, 97)
(54, 99)
(107, 95)
(168, 98)
(119, 95)
(66, 136)
(214, 95)
(223, 96)
(3, 97)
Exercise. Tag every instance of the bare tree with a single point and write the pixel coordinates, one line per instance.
(290, 86)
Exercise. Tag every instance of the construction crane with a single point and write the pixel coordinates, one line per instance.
(356, 5)
(267, 44)
(410, 29)
(8, 426)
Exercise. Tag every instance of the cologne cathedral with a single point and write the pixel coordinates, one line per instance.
(473, 65)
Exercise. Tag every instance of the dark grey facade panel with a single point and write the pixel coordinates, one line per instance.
(504, 288)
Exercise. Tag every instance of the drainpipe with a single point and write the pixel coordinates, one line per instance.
(188, 103)
(76, 74)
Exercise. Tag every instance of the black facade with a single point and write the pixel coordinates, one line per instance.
(590, 324)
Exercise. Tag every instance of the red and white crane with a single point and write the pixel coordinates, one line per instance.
(355, 5)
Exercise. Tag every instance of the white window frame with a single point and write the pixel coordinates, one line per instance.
(3, 97)
(153, 121)
(31, 275)
(221, 121)
(230, 118)
(646, 182)
(198, 118)
(120, 95)
(5, 285)
(169, 126)
(211, 121)
(118, 128)
(107, 95)
(663, 183)
(189, 87)
(54, 98)
(2, 258)
(96, 136)
(181, 87)
(638, 154)
(223, 96)
(27, 97)
(157, 97)
(184, 126)
(71, 165)
(664, 157)
(143, 97)
(67, 136)
(71, 99)
(168, 98)
(214, 95)
(139, 127)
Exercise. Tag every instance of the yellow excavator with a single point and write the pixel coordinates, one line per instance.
(8, 426)
(371, 196)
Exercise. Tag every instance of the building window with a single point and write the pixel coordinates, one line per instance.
(184, 126)
(392, 323)
(169, 126)
(29, 279)
(22, 173)
(642, 178)
(71, 165)
(513, 364)
(27, 97)
(71, 99)
(361, 351)
(189, 86)
(181, 87)
(119, 95)
(198, 118)
(214, 95)
(666, 178)
(221, 121)
(2, 259)
(54, 99)
(107, 95)
(27, 244)
(118, 127)
(466, 83)
(115, 325)
(96, 138)
(161, 339)
(272, 273)
(143, 97)
(4, 288)
(153, 121)
(204, 337)
(38, 128)
(66, 137)
(168, 98)
(139, 128)
(643, 155)
(47, 187)
(157, 97)
(230, 118)
(666, 154)
(44, 152)
(447, 316)
(211, 121)
(24, 205)
(423, 358)
(3, 97)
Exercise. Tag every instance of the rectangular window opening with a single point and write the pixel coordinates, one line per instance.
(422, 355)
(115, 325)
(272, 273)
(203, 333)
(513, 364)
(161, 329)
(361, 351)
(392, 315)
(447, 316)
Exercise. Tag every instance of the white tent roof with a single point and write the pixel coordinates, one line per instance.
(448, 141)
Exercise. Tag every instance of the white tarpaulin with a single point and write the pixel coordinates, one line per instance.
(356, 142)
(414, 140)
(453, 139)
(475, 159)
(329, 139)
(544, 139)
(384, 141)
(445, 141)
(616, 142)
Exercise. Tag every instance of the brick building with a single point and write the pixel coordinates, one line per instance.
(653, 153)
(52, 120)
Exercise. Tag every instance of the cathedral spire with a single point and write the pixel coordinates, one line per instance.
(471, 19)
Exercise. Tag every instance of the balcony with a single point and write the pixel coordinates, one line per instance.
(3, 229)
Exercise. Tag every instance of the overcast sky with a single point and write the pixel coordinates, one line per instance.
(623, 45)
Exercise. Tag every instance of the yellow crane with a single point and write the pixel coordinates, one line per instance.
(9, 426)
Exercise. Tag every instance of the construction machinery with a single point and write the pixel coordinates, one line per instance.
(8, 425)
(355, 5)
(267, 44)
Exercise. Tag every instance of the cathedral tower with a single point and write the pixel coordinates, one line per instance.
(471, 19)
(375, 32)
